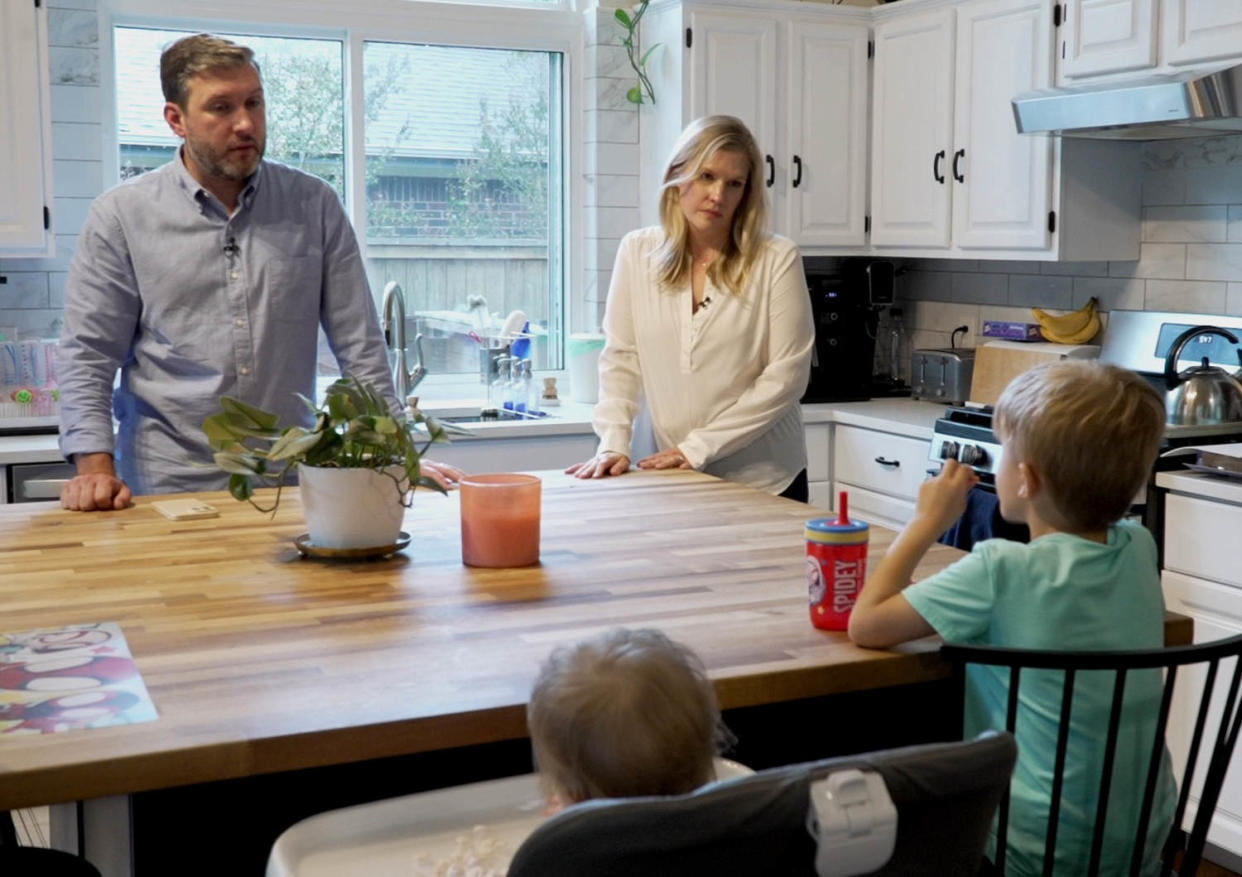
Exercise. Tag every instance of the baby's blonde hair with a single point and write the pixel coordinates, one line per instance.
(625, 714)
(1091, 431)
(701, 140)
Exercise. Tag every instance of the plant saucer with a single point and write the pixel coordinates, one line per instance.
(309, 549)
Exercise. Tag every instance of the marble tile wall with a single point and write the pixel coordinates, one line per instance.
(1190, 257)
(31, 301)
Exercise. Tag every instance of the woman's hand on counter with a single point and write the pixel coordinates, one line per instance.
(95, 487)
(601, 465)
(442, 474)
(673, 458)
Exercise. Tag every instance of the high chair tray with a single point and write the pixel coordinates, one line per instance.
(420, 834)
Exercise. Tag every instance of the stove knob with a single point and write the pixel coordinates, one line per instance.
(973, 455)
(948, 450)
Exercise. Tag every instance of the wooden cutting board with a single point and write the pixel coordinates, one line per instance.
(999, 362)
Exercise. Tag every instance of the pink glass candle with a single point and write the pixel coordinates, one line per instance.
(500, 520)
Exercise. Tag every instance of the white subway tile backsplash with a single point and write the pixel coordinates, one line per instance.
(1163, 261)
(612, 126)
(1075, 269)
(23, 289)
(56, 288)
(930, 285)
(607, 93)
(1161, 155)
(1041, 291)
(611, 190)
(1199, 224)
(63, 253)
(1212, 151)
(980, 289)
(34, 322)
(1001, 314)
(71, 66)
(1110, 292)
(70, 213)
(1004, 266)
(611, 222)
(1233, 300)
(77, 103)
(1214, 261)
(1234, 232)
(80, 179)
(605, 60)
(76, 142)
(1214, 185)
(601, 253)
(72, 27)
(1194, 296)
(72, 4)
(1165, 187)
(944, 317)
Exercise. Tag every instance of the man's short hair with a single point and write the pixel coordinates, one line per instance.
(1092, 431)
(624, 714)
(190, 56)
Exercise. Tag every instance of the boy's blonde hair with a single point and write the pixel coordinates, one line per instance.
(1091, 431)
(701, 140)
(625, 714)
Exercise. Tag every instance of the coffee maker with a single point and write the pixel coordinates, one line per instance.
(845, 322)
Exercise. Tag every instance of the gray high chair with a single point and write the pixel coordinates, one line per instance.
(922, 810)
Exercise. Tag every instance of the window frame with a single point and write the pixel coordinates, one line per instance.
(551, 27)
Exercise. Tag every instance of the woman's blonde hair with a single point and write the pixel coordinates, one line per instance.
(701, 140)
(1091, 430)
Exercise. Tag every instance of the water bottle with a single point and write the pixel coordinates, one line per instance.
(836, 566)
(533, 392)
(496, 390)
(896, 343)
(520, 385)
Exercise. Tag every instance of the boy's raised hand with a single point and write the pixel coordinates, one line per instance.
(942, 499)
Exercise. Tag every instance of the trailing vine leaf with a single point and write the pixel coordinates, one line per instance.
(635, 94)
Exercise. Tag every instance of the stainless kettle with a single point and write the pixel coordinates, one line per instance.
(1204, 394)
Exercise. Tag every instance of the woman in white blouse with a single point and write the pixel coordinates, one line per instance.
(708, 318)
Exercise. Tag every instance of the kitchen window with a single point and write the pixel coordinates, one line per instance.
(457, 184)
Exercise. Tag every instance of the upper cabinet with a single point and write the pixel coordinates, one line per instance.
(950, 175)
(25, 146)
(1106, 36)
(1199, 31)
(798, 81)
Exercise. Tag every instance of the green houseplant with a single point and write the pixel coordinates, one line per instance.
(643, 92)
(353, 430)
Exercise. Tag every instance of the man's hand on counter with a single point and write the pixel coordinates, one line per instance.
(95, 487)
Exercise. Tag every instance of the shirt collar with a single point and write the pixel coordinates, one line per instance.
(194, 189)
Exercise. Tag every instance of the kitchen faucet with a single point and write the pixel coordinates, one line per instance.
(404, 380)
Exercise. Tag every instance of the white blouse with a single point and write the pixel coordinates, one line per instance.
(721, 384)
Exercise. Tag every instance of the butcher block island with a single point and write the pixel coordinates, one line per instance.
(259, 661)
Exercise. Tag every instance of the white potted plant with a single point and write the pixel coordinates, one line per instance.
(357, 464)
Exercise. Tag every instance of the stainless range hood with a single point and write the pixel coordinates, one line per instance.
(1190, 104)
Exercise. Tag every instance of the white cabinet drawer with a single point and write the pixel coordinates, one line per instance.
(876, 509)
(880, 461)
(818, 447)
(1200, 538)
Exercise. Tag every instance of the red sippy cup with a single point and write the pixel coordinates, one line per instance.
(836, 566)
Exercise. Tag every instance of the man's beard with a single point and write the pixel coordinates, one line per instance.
(221, 165)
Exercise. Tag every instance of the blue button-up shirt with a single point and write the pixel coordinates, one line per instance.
(192, 304)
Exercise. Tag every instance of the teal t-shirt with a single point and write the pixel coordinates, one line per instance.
(1063, 592)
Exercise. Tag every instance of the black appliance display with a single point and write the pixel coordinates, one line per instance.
(845, 323)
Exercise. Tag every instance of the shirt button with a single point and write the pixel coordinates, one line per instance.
(232, 275)
(245, 369)
(239, 323)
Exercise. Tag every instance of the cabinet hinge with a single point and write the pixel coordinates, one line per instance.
(689, 37)
(1056, 15)
(866, 224)
(870, 49)
(47, 218)
(1052, 221)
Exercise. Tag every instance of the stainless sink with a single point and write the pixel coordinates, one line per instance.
(490, 415)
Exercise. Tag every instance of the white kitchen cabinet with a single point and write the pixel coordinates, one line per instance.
(25, 132)
(1197, 31)
(881, 471)
(1106, 36)
(819, 463)
(952, 177)
(1202, 579)
(912, 130)
(799, 82)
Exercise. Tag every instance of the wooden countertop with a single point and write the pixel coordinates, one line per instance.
(261, 661)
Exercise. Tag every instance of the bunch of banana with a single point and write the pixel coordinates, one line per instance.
(1076, 327)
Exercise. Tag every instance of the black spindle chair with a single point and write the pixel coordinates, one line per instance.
(1121, 662)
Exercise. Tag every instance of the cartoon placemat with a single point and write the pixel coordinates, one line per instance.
(68, 678)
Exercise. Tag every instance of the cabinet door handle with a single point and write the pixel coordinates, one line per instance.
(957, 157)
(886, 462)
(936, 174)
(797, 163)
(771, 171)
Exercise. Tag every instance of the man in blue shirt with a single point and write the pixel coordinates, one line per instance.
(207, 277)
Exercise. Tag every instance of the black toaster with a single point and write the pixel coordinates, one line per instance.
(942, 375)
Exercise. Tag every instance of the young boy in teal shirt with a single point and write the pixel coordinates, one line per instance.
(1078, 441)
